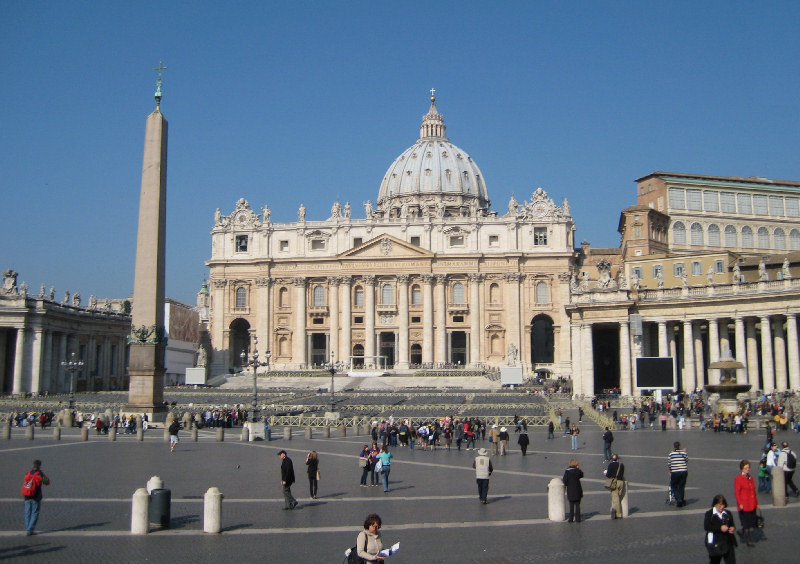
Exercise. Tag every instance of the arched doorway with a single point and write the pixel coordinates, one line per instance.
(239, 341)
(542, 340)
(416, 355)
(358, 356)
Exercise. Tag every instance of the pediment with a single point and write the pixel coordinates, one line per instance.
(386, 246)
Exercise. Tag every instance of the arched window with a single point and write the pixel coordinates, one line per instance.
(241, 298)
(697, 234)
(713, 235)
(416, 295)
(780, 239)
(763, 238)
(730, 236)
(458, 293)
(679, 233)
(541, 293)
(387, 294)
(359, 296)
(319, 296)
(747, 237)
(794, 240)
(416, 354)
(494, 294)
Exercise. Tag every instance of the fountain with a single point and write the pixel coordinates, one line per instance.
(727, 388)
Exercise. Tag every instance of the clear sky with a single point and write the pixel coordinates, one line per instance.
(306, 102)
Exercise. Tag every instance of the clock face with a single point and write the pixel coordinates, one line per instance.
(242, 218)
(539, 209)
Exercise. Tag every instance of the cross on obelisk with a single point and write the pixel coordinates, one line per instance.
(148, 338)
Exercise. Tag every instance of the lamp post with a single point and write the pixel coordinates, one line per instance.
(332, 370)
(254, 364)
(72, 366)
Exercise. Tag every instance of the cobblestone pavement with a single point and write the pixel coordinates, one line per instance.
(432, 508)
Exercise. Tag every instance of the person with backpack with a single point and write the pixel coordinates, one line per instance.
(32, 492)
(787, 461)
(173, 430)
(368, 542)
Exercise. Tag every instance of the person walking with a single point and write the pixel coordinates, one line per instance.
(368, 541)
(787, 461)
(574, 432)
(746, 500)
(483, 469)
(32, 492)
(312, 468)
(572, 481)
(550, 429)
(523, 441)
(174, 428)
(287, 479)
(678, 462)
(719, 526)
(608, 438)
(385, 459)
(494, 438)
(503, 436)
(364, 464)
(616, 473)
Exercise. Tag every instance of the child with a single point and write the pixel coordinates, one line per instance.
(764, 478)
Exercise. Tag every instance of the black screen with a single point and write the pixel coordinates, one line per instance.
(655, 372)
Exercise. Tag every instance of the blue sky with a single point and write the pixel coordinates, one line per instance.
(290, 102)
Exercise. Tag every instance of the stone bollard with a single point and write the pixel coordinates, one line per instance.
(139, 430)
(778, 487)
(29, 432)
(556, 507)
(624, 500)
(220, 434)
(84, 433)
(6, 431)
(112, 434)
(342, 431)
(56, 433)
(194, 434)
(140, 512)
(268, 434)
(166, 433)
(287, 433)
(154, 483)
(327, 432)
(212, 511)
(244, 438)
(308, 432)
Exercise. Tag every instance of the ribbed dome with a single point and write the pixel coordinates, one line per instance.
(433, 166)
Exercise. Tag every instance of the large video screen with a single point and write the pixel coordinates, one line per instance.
(655, 372)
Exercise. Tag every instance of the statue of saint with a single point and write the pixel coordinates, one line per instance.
(52, 294)
(266, 213)
(65, 301)
(787, 274)
(762, 271)
(76, 299)
(217, 217)
(710, 276)
(41, 292)
(336, 210)
(202, 356)
(511, 357)
(368, 211)
(92, 302)
(737, 274)
(301, 213)
(660, 278)
(566, 207)
(23, 289)
(347, 210)
(513, 206)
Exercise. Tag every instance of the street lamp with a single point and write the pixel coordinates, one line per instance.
(72, 366)
(332, 370)
(254, 364)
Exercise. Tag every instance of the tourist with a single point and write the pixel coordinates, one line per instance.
(746, 500)
(787, 460)
(364, 464)
(764, 477)
(385, 458)
(368, 542)
(174, 427)
(574, 432)
(572, 481)
(503, 436)
(373, 460)
(608, 438)
(32, 492)
(312, 468)
(483, 469)
(287, 479)
(494, 438)
(616, 471)
(523, 441)
(678, 462)
(719, 527)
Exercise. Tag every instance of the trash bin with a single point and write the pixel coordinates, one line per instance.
(159, 506)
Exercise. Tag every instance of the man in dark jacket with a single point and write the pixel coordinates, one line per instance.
(32, 491)
(287, 479)
(616, 470)
(608, 438)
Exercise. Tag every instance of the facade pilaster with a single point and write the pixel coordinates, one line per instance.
(767, 366)
(369, 316)
(263, 309)
(577, 360)
(402, 361)
(427, 318)
(752, 354)
(794, 351)
(333, 310)
(713, 350)
(626, 383)
(689, 375)
(512, 312)
(779, 343)
(299, 340)
(741, 348)
(61, 384)
(36, 361)
(220, 306)
(475, 281)
(440, 309)
(346, 342)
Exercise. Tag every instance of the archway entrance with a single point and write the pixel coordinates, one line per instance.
(319, 346)
(358, 354)
(458, 348)
(239, 341)
(386, 347)
(416, 355)
(542, 340)
(605, 344)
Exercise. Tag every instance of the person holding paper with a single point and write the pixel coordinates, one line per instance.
(368, 542)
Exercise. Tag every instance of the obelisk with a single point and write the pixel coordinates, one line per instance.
(148, 336)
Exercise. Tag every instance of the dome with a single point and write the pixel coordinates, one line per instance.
(431, 170)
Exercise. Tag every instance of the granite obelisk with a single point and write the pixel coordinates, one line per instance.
(148, 336)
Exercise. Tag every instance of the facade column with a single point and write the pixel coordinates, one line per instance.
(780, 354)
(587, 353)
(625, 384)
(512, 310)
(688, 382)
(741, 348)
(60, 372)
(219, 345)
(724, 336)
(19, 363)
(369, 316)
(575, 345)
(36, 361)
(46, 382)
(427, 318)
(767, 366)
(475, 318)
(663, 344)
(794, 351)
(402, 360)
(333, 316)
(346, 342)
(263, 311)
(698, 359)
(713, 350)
(440, 309)
(92, 362)
(752, 354)
(299, 338)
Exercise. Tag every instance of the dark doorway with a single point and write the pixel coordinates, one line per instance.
(386, 347)
(358, 356)
(240, 341)
(605, 344)
(458, 347)
(542, 341)
(416, 355)
(319, 348)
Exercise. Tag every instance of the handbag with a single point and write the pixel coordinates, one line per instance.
(317, 475)
(759, 520)
(378, 466)
(611, 483)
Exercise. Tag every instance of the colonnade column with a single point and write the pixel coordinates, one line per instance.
(780, 354)
(767, 367)
(369, 316)
(299, 337)
(220, 356)
(475, 318)
(752, 354)
(36, 366)
(333, 307)
(698, 360)
(741, 348)
(60, 372)
(427, 318)
(663, 344)
(402, 313)
(46, 382)
(713, 350)
(440, 308)
(626, 384)
(577, 358)
(512, 312)
(346, 343)
(689, 382)
(794, 351)
(263, 309)
(587, 353)
(19, 363)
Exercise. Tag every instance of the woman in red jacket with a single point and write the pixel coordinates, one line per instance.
(746, 500)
